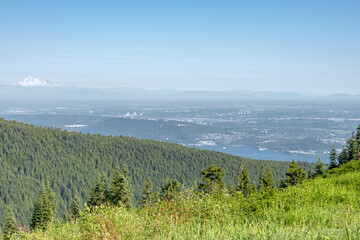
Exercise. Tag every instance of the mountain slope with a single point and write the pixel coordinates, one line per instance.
(326, 207)
(29, 154)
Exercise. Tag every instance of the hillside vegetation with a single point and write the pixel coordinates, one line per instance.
(326, 207)
(72, 161)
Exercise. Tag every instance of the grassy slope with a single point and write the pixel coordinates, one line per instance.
(322, 208)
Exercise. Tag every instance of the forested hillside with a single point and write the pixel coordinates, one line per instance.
(325, 206)
(72, 161)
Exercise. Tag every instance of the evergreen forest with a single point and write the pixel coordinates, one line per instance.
(70, 164)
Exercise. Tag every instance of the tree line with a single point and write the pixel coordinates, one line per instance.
(349, 153)
(119, 192)
(29, 154)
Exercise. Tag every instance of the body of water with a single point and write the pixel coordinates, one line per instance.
(255, 153)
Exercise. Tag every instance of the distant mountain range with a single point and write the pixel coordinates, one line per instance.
(32, 88)
(35, 82)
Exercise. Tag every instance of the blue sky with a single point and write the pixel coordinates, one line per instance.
(258, 45)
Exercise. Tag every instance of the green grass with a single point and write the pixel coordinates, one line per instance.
(322, 208)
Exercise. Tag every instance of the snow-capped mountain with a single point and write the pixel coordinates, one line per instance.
(35, 82)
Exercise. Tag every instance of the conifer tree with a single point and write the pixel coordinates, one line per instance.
(36, 216)
(194, 189)
(147, 196)
(244, 184)
(238, 172)
(99, 192)
(310, 174)
(283, 183)
(213, 180)
(352, 147)
(333, 158)
(358, 133)
(120, 190)
(44, 208)
(50, 202)
(295, 175)
(357, 157)
(75, 206)
(351, 151)
(10, 224)
(266, 181)
(343, 157)
(170, 190)
(319, 168)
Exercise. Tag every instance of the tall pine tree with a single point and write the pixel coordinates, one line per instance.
(319, 168)
(333, 158)
(266, 181)
(36, 219)
(120, 189)
(351, 151)
(44, 208)
(352, 147)
(357, 157)
(294, 176)
(170, 190)
(99, 192)
(10, 224)
(343, 157)
(147, 194)
(244, 184)
(213, 180)
(50, 202)
(75, 206)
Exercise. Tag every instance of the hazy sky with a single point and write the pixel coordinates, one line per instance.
(260, 45)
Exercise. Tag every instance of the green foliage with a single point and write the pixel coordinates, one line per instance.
(244, 184)
(319, 168)
(357, 151)
(99, 192)
(120, 189)
(44, 208)
(350, 152)
(170, 190)
(321, 208)
(213, 180)
(266, 182)
(333, 158)
(148, 197)
(343, 157)
(75, 206)
(346, 168)
(318, 208)
(28, 154)
(294, 176)
(10, 225)
(352, 147)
